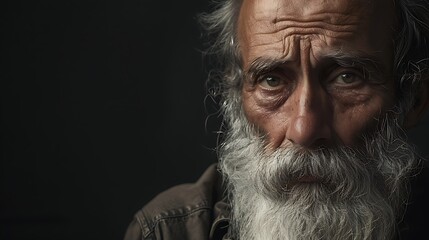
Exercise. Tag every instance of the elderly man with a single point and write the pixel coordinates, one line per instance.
(315, 97)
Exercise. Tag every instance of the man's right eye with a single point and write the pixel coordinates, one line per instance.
(271, 82)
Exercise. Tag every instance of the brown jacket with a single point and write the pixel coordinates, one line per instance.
(189, 211)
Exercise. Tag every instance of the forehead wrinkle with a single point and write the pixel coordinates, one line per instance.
(288, 28)
(274, 16)
(283, 47)
(324, 26)
(331, 18)
(261, 44)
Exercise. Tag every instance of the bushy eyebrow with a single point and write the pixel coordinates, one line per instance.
(263, 65)
(370, 66)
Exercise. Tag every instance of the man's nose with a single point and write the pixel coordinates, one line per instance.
(311, 118)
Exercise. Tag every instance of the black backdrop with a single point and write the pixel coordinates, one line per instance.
(103, 106)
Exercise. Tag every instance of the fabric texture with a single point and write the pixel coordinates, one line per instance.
(188, 211)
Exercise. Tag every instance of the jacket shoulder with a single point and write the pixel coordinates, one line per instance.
(173, 211)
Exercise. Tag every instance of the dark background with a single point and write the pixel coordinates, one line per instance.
(103, 106)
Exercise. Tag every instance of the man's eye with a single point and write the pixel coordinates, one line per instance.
(347, 79)
(270, 82)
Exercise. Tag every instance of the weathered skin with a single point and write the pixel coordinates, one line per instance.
(311, 96)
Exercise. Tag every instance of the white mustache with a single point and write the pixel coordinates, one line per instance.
(340, 171)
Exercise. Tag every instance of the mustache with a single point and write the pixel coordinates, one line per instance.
(340, 172)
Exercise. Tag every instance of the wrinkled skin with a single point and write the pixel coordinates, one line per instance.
(317, 72)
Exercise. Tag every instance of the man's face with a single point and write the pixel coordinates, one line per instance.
(316, 72)
(326, 159)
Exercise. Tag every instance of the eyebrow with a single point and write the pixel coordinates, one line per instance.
(370, 65)
(263, 65)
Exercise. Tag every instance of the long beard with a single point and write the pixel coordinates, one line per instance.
(359, 192)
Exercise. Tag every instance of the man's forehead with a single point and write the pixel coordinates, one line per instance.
(332, 11)
(273, 27)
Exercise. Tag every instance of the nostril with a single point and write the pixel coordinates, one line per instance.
(308, 131)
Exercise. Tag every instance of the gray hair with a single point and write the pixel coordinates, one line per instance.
(411, 53)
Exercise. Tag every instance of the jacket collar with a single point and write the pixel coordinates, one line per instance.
(220, 228)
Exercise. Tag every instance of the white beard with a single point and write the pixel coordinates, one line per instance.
(360, 194)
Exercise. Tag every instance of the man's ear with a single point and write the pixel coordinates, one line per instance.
(419, 108)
